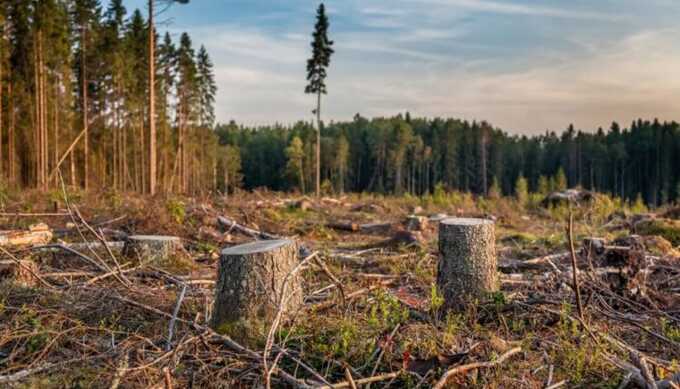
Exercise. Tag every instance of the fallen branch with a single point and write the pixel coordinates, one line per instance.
(30, 214)
(472, 366)
(353, 295)
(171, 328)
(368, 380)
(577, 291)
(232, 225)
(332, 277)
(14, 377)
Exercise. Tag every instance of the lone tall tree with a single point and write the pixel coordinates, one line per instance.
(316, 76)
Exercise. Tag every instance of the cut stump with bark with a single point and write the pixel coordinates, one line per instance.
(252, 281)
(152, 248)
(467, 261)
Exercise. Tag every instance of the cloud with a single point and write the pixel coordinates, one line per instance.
(634, 78)
(522, 9)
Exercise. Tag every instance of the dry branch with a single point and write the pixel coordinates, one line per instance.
(471, 366)
(230, 224)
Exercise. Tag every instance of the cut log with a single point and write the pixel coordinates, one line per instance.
(367, 208)
(252, 280)
(375, 228)
(152, 248)
(467, 263)
(20, 274)
(37, 234)
(344, 226)
(573, 196)
(303, 205)
(368, 228)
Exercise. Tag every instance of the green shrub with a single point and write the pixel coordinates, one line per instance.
(665, 228)
(176, 209)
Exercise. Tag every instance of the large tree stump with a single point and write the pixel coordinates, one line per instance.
(250, 285)
(467, 261)
(152, 248)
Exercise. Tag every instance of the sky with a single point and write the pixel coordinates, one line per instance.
(526, 66)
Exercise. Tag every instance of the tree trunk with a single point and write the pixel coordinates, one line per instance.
(253, 281)
(37, 116)
(152, 104)
(485, 185)
(226, 180)
(467, 261)
(83, 70)
(10, 138)
(55, 159)
(318, 144)
(43, 113)
(139, 173)
(2, 171)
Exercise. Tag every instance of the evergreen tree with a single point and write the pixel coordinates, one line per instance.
(341, 159)
(295, 155)
(522, 190)
(495, 191)
(186, 103)
(231, 168)
(316, 76)
(561, 180)
(207, 89)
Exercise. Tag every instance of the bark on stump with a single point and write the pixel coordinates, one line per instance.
(467, 261)
(152, 248)
(250, 285)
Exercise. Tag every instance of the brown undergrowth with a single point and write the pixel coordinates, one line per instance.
(91, 328)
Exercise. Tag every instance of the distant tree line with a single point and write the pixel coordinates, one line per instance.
(75, 99)
(413, 155)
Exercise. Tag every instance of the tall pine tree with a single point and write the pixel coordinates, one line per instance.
(316, 76)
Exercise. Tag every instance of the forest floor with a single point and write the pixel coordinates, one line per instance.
(93, 318)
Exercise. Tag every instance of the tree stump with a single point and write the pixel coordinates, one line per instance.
(467, 261)
(250, 282)
(19, 274)
(152, 248)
